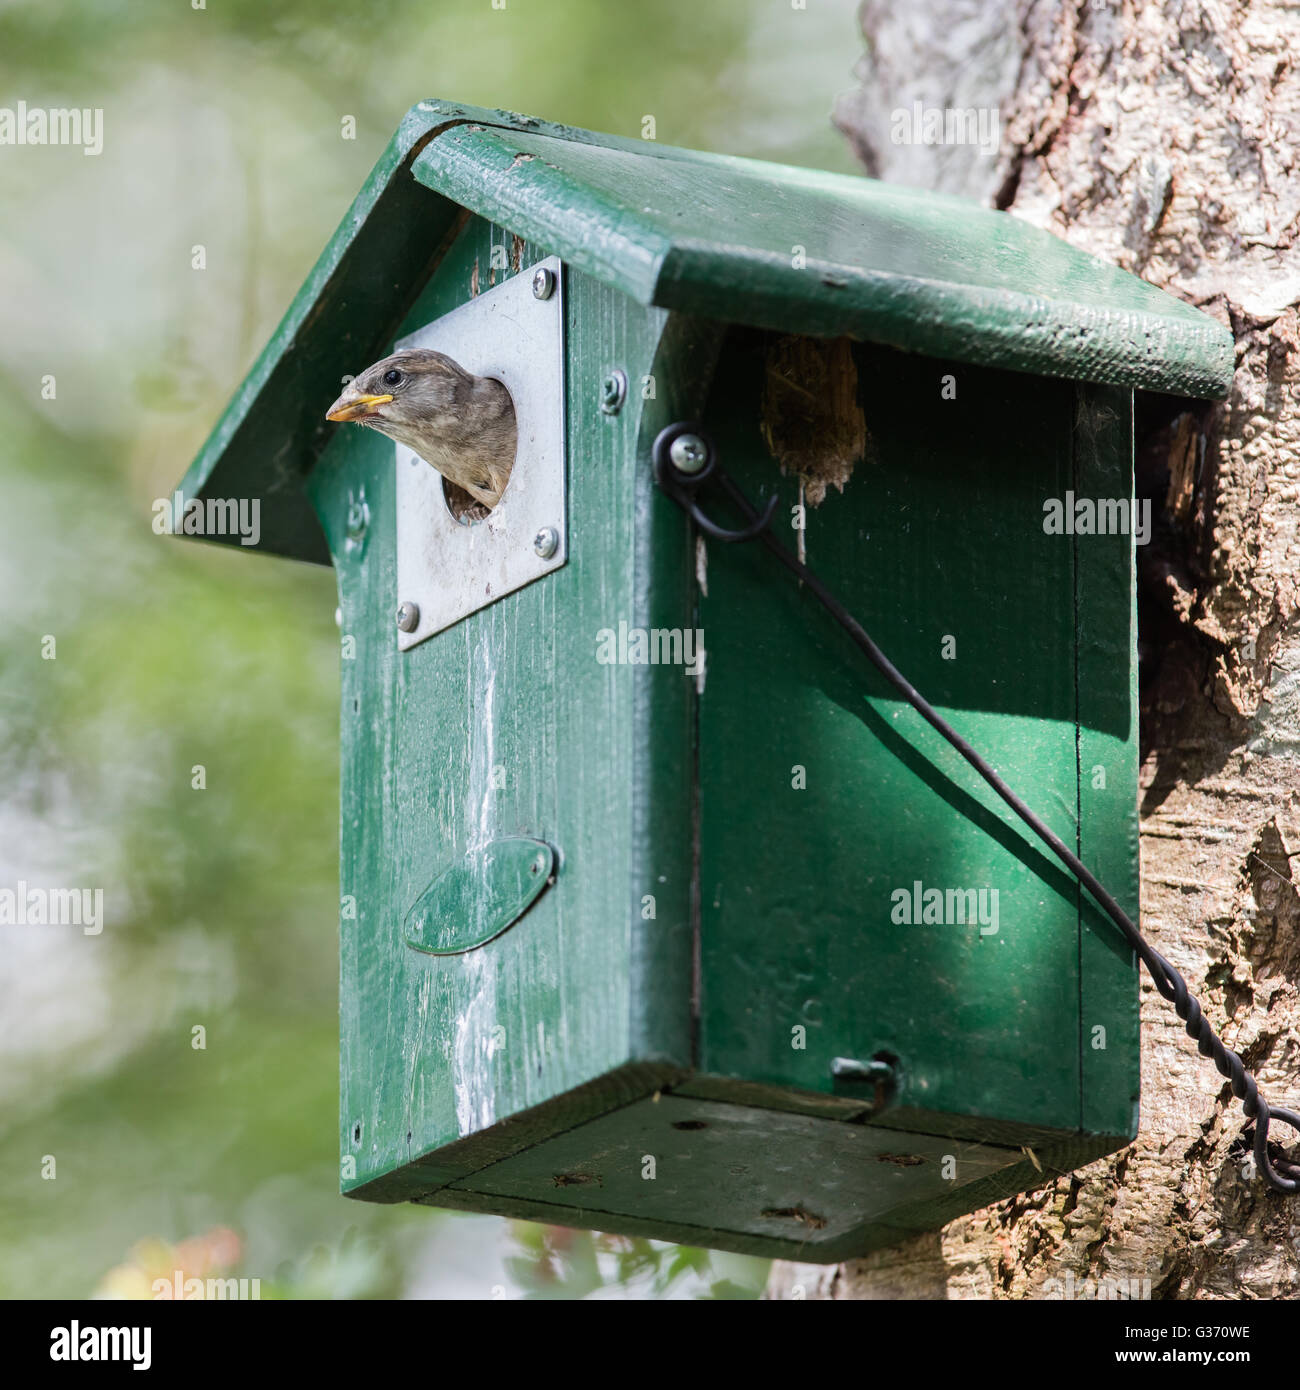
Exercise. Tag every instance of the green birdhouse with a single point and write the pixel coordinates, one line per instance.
(661, 913)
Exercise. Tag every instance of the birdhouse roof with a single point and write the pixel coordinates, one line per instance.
(767, 245)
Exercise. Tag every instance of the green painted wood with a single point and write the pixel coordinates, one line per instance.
(507, 725)
(472, 902)
(719, 1168)
(988, 1030)
(1106, 608)
(938, 538)
(806, 251)
(722, 1167)
(706, 234)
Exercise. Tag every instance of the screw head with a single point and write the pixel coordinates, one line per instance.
(546, 542)
(408, 617)
(689, 453)
(543, 283)
(613, 391)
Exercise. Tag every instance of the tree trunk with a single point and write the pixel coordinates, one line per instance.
(1162, 138)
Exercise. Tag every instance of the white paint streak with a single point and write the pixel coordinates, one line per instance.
(702, 565)
(485, 756)
(474, 1044)
(472, 1052)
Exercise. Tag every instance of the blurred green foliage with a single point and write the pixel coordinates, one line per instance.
(555, 1262)
(223, 128)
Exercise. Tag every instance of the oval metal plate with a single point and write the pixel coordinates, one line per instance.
(476, 900)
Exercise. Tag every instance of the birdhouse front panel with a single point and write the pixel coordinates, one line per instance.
(660, 913)
(506, 729)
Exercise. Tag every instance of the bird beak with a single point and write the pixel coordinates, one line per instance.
(355, 407)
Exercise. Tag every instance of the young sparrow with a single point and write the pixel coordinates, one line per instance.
(463, 425)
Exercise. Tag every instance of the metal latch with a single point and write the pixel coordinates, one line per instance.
(478, 897)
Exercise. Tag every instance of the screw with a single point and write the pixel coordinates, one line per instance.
(543, 283)
(546, 542)
(613, 391)
(408, 617)
(689, 453)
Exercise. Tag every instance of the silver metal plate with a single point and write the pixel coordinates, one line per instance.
(450, 570)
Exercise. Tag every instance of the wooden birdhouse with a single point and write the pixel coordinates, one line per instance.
(661, 913)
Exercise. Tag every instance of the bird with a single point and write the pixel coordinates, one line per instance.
(461, 424)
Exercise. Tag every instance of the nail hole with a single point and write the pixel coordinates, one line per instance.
(691, 1124)
(356, 1132)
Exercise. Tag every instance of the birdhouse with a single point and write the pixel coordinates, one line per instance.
(661, 913)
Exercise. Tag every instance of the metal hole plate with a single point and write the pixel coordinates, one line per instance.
(451, 570)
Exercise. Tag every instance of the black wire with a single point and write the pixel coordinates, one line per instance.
(1168, 980)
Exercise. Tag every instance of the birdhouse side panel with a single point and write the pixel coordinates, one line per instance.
(879, 902)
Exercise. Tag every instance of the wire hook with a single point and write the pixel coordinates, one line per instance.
(684, 460)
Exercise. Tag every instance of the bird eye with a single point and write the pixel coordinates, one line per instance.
(392, 377)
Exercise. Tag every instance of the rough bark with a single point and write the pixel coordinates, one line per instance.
(1162, 137)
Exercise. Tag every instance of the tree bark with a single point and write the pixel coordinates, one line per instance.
(1164, 139)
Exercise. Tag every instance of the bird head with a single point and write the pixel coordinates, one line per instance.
(413, 393)
(462, 425)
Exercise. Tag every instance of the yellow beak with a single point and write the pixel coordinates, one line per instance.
(355, 408)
